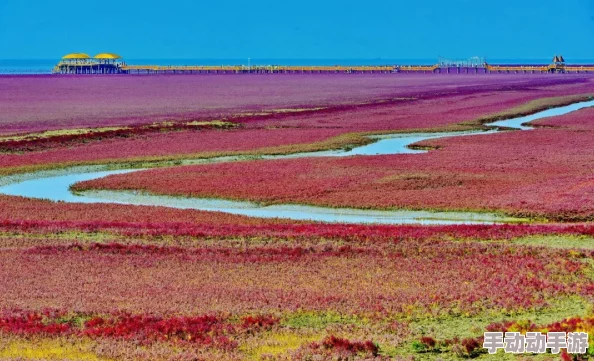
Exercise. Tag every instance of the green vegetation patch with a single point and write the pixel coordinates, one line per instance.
(556, 241)
(320, 320)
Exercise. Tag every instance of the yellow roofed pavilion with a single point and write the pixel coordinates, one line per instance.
(109, 56)
(81, 63)
(76, 56)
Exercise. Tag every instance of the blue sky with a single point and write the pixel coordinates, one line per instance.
(306, 29)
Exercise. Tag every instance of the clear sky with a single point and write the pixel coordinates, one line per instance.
(304, 29)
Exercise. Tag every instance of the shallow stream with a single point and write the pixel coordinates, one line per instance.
(55, 185)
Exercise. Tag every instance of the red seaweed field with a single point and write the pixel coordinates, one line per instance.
(105, 281)
(37, 103)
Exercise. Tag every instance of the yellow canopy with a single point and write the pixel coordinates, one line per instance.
(111, 56)
(76, 56)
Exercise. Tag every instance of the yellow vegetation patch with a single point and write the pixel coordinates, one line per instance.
(296, 110)
(43, 349)
(216, 123)
(277, 343)
(85, 131)
(60, 132)
(280, 111)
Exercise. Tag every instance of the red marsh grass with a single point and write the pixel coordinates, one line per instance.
(38, 103)
(329, 128)
(406, 279)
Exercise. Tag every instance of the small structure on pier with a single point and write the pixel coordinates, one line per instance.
(472, 62)
(558, 59)
(558, 64)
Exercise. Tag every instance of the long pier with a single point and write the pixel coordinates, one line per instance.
(271, 69)
(108, 63)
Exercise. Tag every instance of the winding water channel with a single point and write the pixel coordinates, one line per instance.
(55, 185)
